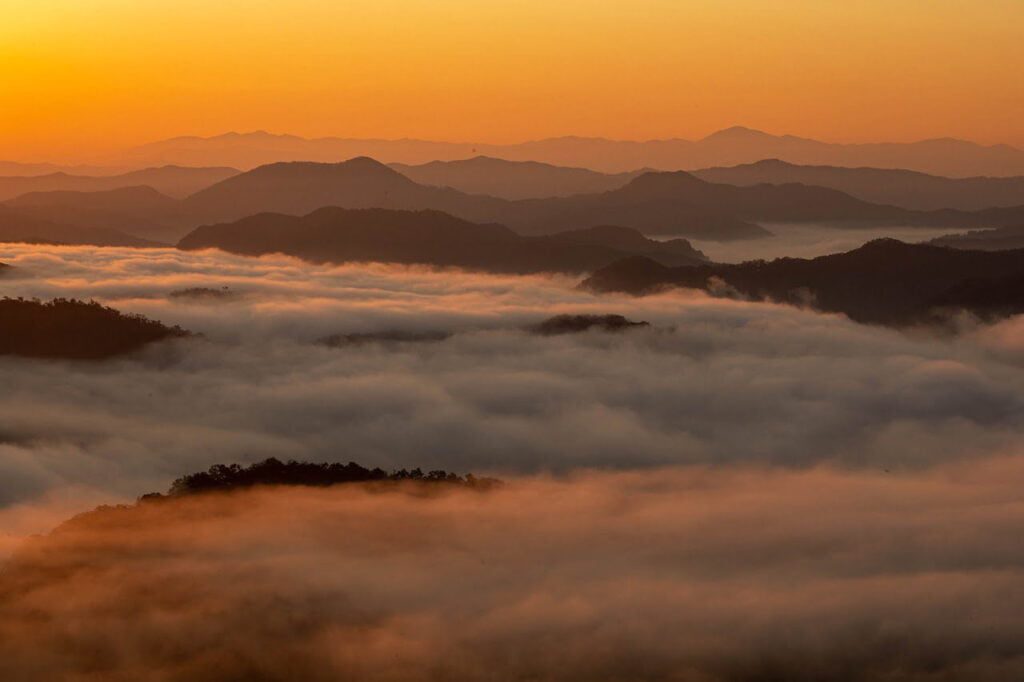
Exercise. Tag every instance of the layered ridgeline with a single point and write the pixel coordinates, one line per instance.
(174, 181)
(74, 330)
(896, 187)
(883, 282)
(140, 211)
(514, 179)
(998, 239)
(738, 145)
(654, 203)
(337, 235)
(675, 203)
(299, 188)
(23, 226)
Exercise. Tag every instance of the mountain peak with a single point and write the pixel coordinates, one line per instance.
(737, 133)
(657, 182)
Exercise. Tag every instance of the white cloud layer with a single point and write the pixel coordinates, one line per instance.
(712, 382)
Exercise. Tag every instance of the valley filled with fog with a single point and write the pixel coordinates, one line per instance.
(810, 240)
(711, 381)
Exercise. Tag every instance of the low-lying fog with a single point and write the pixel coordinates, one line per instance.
(709, 575)
(712, 382)
(807, 240)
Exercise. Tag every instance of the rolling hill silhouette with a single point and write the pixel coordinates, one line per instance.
(140, 211)
(998, 239)
(658, 203)
(339, 235)
(907, 189)
(299, 188)
(15, 226)
(174, 181)
(513, 179)
(883, 282)
(75, 330)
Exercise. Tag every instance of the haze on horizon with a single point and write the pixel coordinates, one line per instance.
(460, 70)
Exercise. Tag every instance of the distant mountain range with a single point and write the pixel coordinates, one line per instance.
(883, 282)
(904, 188)
(730, 147)
(140, 211)
(998, 239)
(655, 203)
(20, 169)
(335, 235)
(299, 188)
(174, 181)
(16, 226)
(677, 203)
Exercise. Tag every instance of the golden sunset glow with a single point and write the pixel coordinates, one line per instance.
(82, 77)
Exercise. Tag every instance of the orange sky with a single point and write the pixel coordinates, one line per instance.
(80, 77)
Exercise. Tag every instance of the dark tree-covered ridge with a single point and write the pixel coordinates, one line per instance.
(77, 330)
(273, 472)
(883, 282)
(574, 324)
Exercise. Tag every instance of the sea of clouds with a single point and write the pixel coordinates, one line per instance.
(711, 382)
(740, 491)
(702, 574)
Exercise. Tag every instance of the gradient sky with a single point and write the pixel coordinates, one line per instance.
(80, 77)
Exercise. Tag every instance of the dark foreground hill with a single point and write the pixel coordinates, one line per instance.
(576, 324)
(228, 477)
(883, 282)
(904, 188)
(336, 235)
(75, 330)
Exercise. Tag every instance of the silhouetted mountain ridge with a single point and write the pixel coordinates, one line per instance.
(75, 330)
(658, 203)
(431, 238)
(998, 239)
(139, 211)
(904, 188)
(174, 181)
(273, 472)
(513, 180)
(16, 226)
(729, 147)
(884, 282)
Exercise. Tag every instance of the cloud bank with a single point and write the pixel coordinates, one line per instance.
(683, 574)
(712, 382)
